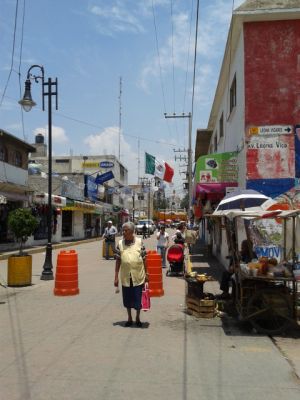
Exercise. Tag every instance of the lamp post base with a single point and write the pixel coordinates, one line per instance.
(47, 274)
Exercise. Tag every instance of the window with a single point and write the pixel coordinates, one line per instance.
(62, 161)
(221, 126)
(18, 159)
(233, 94)
(3, 153)
(216, 142)
(122, 172)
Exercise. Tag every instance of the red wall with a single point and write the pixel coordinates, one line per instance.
(272, 73)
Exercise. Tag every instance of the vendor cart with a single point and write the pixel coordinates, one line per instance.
(265, 294)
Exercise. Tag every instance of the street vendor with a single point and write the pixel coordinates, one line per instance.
(246, 254)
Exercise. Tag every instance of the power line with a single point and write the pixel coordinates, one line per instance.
(19, 71)
(12, 53)
(188, 57)
(159, 64)
(101, 127)
(195, 57)
(173, 66)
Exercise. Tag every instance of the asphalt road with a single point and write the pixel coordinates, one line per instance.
(77, 347)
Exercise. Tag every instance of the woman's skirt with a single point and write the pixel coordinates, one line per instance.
(132, 296)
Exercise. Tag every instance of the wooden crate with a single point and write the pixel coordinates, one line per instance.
(201, 308)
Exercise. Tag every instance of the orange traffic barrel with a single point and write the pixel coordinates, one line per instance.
(154, 268)
(66, 277)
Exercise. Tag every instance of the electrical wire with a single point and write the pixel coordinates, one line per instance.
(173, 67)
(195, 59)
(19, 70)
(12, 53)
(101, 127)
(160, 69)
(188, 57)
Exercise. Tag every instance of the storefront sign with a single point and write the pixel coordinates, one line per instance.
(90, 164)
(217, 168)
(106, 164)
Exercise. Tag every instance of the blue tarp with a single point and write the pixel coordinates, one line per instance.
(271, 187)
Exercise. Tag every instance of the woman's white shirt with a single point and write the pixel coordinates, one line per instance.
(162, 240)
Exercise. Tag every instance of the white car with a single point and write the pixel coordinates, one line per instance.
(149, 225)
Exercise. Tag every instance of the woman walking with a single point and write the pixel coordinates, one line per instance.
(131, 263)
(162, 244)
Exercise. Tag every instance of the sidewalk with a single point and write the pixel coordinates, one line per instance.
(76, 347)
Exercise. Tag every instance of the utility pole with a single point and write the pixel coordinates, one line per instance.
(120, 117)
(146, 182)
(189, 151)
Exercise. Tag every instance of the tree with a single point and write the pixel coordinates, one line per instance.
(22, 224)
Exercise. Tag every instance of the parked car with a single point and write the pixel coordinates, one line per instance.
(149, 225)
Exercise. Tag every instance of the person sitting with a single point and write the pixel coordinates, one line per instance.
(246, 254)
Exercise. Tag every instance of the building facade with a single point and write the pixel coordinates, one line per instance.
(85, 204)
(14, 189)
(256, 108)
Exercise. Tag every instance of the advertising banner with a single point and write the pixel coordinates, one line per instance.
(104, 177)
(217, 168)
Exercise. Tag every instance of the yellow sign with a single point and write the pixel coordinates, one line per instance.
(253, 130)
(90, 165)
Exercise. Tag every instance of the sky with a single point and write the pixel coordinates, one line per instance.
(88, 45)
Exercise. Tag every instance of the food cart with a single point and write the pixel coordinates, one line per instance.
(265, 290)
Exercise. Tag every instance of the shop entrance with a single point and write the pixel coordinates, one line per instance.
(67, 223)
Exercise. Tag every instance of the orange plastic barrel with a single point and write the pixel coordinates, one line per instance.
(154, 267)
(66, 277)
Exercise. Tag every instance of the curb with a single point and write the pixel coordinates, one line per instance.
(41, 249)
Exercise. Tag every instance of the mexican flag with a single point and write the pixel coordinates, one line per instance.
(160, 169)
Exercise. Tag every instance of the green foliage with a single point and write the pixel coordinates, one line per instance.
(22, 224)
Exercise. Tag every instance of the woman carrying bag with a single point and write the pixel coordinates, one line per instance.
(131, 264)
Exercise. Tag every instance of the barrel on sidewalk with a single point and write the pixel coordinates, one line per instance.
(66, 277)
(154, 267)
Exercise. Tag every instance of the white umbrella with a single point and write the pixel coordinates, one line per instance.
(242, 199)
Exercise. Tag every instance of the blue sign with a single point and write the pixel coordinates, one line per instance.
(91, 188)
(100, 179)
(106, 164)
(268, 251)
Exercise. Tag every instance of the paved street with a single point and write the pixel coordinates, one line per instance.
(78, 348)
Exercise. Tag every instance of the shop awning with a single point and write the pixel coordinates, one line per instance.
(213, 191)
(42, 198)
(13, 192)
(83, 206)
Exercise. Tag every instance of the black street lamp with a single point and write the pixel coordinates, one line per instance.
(49, 89)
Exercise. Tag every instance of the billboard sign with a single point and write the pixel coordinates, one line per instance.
(217, 168)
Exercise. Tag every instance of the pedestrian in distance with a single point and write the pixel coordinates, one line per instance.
(179, 237)
(162, 244)
(191, 237)
(110, 238)
(144, 230)
(131, 264)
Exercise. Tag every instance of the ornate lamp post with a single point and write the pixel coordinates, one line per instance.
(49, 89)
